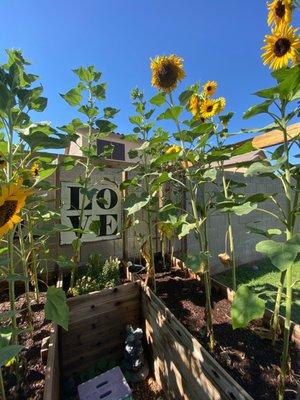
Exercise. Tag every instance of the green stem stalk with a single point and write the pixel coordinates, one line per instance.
(230, 234)
(289, 271)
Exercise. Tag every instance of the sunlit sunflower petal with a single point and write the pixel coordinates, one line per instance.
(35, 170)
(221, 104)
(210, 88)
(167, 72)
(280, 12)
(174, 149)
(194, 105)
(281, 47)
(12, 200)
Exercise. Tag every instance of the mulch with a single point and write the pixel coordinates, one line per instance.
(27, 382)
(246, 355)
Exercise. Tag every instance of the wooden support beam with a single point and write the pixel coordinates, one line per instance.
(275, 137)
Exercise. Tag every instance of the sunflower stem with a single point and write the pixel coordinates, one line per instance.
(289, 270)
(25, 272)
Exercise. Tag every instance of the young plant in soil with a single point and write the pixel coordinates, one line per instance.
(147, 176)
(280, 104)
(86, 95)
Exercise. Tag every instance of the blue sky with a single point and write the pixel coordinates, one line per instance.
(219, 40)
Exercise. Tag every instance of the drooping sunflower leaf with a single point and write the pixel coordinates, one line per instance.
(9, 352)
(56, 308)
(258, 109)
(133, 203)
(246, 307)
(281, 254)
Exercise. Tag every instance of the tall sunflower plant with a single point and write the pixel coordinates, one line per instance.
(96, 123)
(281, 104)
(197, 162)
(21, 146)
(146, 177)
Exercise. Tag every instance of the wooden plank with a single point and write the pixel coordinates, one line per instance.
(275, 137)
(80, 302)
(78, 337)
(52, 372)
(228, 388)
(97, 308)
(84, 339)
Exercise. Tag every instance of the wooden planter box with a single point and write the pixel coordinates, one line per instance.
(184, 369)
(96, 331)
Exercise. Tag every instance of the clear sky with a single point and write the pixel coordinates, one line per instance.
(219, 40)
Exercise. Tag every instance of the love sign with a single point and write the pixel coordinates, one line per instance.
(102, 212)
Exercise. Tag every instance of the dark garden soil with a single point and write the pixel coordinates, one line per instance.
(246, 355)
(30, 385)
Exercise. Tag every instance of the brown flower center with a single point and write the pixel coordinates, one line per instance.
(208, 88)
(280, 9)
(35, 171)
(209, 108)
(7, 210)
(282, 46)
(167, 75)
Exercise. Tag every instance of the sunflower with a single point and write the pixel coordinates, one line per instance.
(209, 108)
(174, 149)
(12, 200)
(194, 105)
(167, 71)
(35, 169)
(221, 104)
(280, 11)
(281, 46)
(209, 88)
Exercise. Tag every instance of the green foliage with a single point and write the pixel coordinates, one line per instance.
(282, 254)
(56, 308)
(246, 306)
(98, 276)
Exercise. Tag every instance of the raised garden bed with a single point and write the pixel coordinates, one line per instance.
(245, 353)
(181, 365)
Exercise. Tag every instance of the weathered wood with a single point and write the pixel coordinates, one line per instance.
(97, 326)
(275, 137)
(183, 360)
(52, 372)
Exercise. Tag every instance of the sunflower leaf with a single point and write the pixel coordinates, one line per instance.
(56, 308)
(246, 307)
(171, 113)
(258, 109)
(159, 99)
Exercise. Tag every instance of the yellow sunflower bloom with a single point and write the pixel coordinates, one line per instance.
(221, 104)
(12, 200)
(209, 108)
(280, 11)
(210, 88)
(173, 149)
(167, 72)
(35, 170)
(281, 47)
(195, 105)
